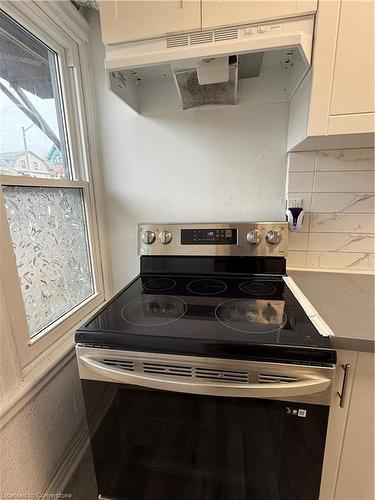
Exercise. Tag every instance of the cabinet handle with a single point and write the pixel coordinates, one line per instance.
(181, 4)
(345, 383)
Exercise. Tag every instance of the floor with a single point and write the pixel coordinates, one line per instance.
(82, 484)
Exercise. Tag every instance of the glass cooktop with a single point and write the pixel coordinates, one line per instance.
(251, 318)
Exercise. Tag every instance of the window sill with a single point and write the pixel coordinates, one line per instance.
(44, 344)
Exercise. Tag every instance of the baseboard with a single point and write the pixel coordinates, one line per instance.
(69, 464)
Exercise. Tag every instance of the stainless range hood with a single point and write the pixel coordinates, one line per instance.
(206, 68)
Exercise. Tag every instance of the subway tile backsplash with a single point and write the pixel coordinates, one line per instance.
(302, 162)
(339, 202)
(346, 159)
(342, 181)
(341, 223)
(337, 189)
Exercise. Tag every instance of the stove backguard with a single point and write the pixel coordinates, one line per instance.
(255, 239)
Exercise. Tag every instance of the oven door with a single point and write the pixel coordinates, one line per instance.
(152, 444)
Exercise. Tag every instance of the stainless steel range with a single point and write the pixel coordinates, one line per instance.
(214, 371)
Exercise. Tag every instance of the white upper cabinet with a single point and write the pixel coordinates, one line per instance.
(128, 20)
(334, 106)
(353, 82)
(226, 12)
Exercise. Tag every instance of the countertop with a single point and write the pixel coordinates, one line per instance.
(345, 302)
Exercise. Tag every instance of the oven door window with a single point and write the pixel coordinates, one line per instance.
(153, 445)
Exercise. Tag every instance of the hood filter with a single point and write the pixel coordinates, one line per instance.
(193, 94)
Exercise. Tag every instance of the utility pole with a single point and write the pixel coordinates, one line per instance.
(24, 129)
(26, 150)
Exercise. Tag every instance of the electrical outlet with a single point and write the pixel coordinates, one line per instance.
(295, 203)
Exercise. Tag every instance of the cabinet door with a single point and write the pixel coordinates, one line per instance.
(356, 473)
(126, 20)
(353, 81)
(226, 12)
(336, 425)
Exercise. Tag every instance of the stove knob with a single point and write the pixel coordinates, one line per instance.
(148, 237)
(273, 237)
(253, 237)
(165, 237)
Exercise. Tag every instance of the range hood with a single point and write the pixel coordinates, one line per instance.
(208, 68)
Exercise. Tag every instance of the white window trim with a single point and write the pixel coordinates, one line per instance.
(29, 349)
(65, 30)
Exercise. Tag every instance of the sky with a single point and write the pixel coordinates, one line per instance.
(13, 119)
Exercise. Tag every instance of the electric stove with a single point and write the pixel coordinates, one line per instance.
(211, 339)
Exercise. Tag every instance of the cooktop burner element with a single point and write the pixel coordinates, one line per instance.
(206, 286)
(252, 316)
(257, 288)
(159, 284)
(153, 310)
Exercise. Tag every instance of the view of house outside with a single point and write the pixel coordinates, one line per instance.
(32, 138)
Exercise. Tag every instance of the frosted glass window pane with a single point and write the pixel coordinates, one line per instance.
(49, 235)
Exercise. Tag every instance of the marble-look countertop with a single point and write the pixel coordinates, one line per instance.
(345, 302)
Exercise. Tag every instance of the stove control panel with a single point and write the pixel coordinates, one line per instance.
(243, 238)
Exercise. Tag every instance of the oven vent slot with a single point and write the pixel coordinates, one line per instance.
(124, 364)
(162, 369)
(265, 378)
(222, 375)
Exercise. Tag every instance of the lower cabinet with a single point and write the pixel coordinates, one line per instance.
(348, 469)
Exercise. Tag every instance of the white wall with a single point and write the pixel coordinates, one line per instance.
(209, 165)
(38, 438)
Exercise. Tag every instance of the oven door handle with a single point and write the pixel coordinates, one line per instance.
(92, 369)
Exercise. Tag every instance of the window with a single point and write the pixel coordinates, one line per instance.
(31, 111)
(52, 269)
(49, 234)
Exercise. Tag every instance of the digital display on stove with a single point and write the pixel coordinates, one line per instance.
(209, 236)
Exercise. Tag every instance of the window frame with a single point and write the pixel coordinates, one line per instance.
(63, 30)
